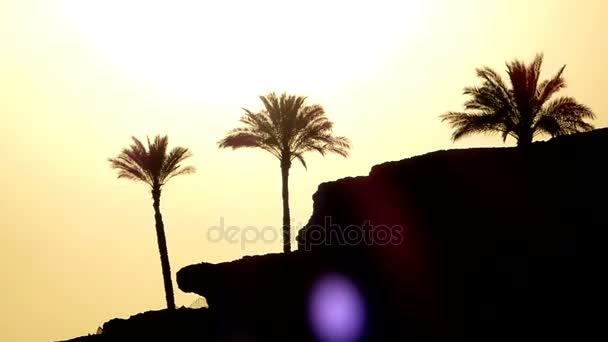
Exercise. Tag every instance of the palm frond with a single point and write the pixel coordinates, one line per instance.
(151, 165)
(287, 128)
(564, 116)
(568, 107)
(524, 82)
(548, 125)
(300, 157)
(488, 98)
(493, 80)
(261, 124)
(518, 111)
(187, 170)
(157, 151)
(549, 87)
(465, 124)
(248, 137)
(339, 145)
(239, 139)
(171, 166)
(128, 169)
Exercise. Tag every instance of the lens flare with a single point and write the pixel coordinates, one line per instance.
(336, 309)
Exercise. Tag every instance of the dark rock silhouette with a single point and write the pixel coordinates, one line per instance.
(494, 245)
(164, 325)
(497, 244)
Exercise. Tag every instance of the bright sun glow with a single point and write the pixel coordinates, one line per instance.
(238, 47)
(79, 77)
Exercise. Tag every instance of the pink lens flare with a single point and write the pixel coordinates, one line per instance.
(336, 309)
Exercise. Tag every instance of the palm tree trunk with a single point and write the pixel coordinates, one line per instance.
(286, 219)
(162, 248)
(525, 138)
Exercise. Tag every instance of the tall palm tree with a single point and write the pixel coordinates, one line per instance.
(154, 166)
(286, 128)
(523, 110)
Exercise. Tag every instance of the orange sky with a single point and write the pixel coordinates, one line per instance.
(78, 78)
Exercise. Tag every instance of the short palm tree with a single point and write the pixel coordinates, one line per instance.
(523, 110)
(155, 166)
(286, 128)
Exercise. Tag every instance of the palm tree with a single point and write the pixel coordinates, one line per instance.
(154, 166)
(286, 128)
(522, 111)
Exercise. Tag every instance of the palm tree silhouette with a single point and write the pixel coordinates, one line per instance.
(155, 167)
(522, 111)
(286, 128)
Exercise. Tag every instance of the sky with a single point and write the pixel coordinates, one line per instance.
(78, 78)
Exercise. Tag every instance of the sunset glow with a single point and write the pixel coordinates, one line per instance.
(192, 47)
(78, 78)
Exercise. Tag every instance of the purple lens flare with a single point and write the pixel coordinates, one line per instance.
(336, 309)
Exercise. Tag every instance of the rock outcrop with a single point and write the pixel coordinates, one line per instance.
(473, 244)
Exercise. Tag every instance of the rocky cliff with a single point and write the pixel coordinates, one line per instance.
(473, 243)
(483, 244)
